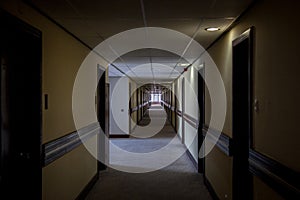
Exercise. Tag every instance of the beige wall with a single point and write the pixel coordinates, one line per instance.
(191, 108)
(178, 92)
(276, 70)
(262, 191)
(62, 56)
(67, 176)
(218, 171)
(275, 78)
(174, 98)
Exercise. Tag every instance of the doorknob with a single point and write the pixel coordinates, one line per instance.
(24, 155)
(256, 105)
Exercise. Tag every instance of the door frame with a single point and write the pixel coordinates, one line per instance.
(175, 112)
(129, 108)
(182, 110)
(241, 81)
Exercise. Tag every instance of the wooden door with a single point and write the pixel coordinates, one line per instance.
(21, 109)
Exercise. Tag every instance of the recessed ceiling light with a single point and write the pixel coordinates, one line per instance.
(212, 29)
(183, 64)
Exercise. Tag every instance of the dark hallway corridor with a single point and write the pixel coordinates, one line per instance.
(179, 180)
(149, 99)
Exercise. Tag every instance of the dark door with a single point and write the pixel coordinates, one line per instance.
(107, 111)
(175, 113)
(201, 100)
(137, 104)
(182, 110)
(241, 116)
(129, 109)
(107, 89)
(20, 51)
(102, 118)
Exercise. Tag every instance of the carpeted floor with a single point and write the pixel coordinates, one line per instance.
(179, 180)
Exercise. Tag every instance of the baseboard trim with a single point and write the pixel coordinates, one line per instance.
(191, 120)
(210, 189)
(83, 194)
(119, 136)
(58, 147)
(223, 141)
(192, 159)
(179, 113)
(282, 179)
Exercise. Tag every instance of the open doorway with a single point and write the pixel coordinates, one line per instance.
(21, 109)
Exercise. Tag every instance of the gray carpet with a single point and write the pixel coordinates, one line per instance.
(179, 180)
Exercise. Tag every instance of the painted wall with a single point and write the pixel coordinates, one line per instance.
(218, 171)
(67, 176)
(190, 78)
(174, 115)
(178, 88)
(191, 109)
(61, 58)
(119, 105)
(276, 73)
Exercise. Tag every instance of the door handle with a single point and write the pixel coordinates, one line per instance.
(24, 155)
(256, 105)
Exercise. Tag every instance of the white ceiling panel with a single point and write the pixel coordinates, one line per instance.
(162, 72)
(161, 53)
(172, 59)
(167, 64)
(124, 69)
(172, 76)
(178, 70)
(135, 61)
(161, 66)
(92, 21)
(139, 53)
(121, 65)
(143, 71)
(114, 72)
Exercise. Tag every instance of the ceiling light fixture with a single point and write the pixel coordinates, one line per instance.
(183, 64)
(212, 29)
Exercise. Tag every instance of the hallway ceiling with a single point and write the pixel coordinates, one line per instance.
(92, 21)
(149, 65)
